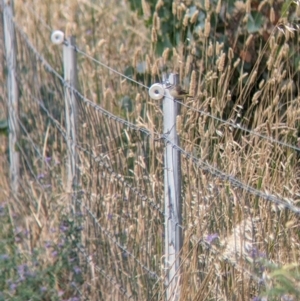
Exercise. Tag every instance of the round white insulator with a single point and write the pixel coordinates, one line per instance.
(57, 37)
(157, 91)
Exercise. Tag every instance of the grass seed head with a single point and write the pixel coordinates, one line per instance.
(207, 5)
(153, 35)
(230, 54)
(210, 50)
(185, 21)
(272, 15)
(261, 84)
(192, 88)
(159, 5)
(207, 27)
(221, 62)
(165, 55)
(194, 17)
(146, 9)
(236, 63)
(219, 6)
(174, 8)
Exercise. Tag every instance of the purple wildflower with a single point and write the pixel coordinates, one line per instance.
(48, 159)
(47, 186)
(77, 270)
(43, 289)
(211, 238)
(48, 244)
(13, 286)
(4, 257)
(40, 176)
(63, 228)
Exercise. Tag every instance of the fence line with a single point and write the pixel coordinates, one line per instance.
(101, 162)
(50, 69)
(164, 137)
(205, 167)
(234, 125)
(109, 68)
(89, 261)
(234, 181)
(82, 97)
(239, 127)
(109, 235)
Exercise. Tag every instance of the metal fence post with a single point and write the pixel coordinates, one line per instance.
(172, 184)
(70, 76)
(12, 89)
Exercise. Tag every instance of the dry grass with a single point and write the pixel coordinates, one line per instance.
(228, 231)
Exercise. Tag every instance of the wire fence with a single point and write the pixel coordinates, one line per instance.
(114, 157)
(233, 217)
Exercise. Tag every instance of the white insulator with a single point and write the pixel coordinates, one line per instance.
(157, 91)
(57, 37)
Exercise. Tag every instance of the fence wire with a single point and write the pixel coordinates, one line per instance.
(234, 218)
(120, 201)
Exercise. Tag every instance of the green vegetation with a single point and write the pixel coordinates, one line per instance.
(240, 62)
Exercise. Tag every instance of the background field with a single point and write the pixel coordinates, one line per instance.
(238, 139)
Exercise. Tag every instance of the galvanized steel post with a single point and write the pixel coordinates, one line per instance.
(172, 184)
(12, 89)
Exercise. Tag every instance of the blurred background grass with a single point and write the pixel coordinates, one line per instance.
(240, 61)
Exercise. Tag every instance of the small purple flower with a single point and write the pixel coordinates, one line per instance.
(13, 286)
(48, 159)
(18, 231)
(61, 244)
(77, 270)
(48, 244)
(54, 253)
(47, 186)
(43, 289)
(255, 254)
(79, 214)
(21, 269)
(26, 233)
(4, 257)
(211, 238)
(63, 228)
(110, 216)
(41, 176)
